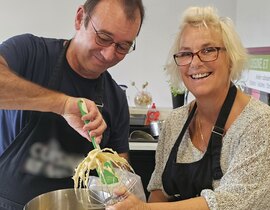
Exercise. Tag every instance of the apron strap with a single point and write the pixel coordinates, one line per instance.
(180, 137)
(99, 92)
(218, 132)
(57, 71)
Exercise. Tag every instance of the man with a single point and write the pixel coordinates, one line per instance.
(41, 80)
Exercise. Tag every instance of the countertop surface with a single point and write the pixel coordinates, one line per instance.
(133, 145)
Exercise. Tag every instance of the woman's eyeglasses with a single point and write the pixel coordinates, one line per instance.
(205, 55)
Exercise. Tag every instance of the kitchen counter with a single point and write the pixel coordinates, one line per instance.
(143, 145)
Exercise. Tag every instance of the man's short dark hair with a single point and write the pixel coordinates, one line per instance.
(129, 6)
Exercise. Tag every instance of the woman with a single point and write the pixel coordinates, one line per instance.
(214, 152)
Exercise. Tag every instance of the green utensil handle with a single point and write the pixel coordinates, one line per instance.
(107, 177)
(84, 111)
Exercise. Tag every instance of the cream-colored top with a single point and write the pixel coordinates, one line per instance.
(245, 158)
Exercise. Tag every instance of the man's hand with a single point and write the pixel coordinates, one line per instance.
(73, 116)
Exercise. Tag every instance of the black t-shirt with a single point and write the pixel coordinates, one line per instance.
(34, 59)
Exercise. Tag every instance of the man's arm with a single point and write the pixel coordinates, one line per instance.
(17, 93)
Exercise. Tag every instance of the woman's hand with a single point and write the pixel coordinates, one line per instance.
(129, 202)
(73, 116)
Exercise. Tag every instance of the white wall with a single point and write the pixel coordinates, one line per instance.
(44, 18)
(56, 19)
(153, 44)
(253, 22)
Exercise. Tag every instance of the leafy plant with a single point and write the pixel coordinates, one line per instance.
(177, 90)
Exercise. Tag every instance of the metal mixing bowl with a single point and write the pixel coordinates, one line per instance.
(67, 199)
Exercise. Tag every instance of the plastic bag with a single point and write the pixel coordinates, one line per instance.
(131, 181)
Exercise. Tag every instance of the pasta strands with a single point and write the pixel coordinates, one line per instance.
(96, 160)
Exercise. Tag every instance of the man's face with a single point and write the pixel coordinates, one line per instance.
(87, 57)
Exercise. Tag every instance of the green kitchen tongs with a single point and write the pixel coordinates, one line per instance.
(108, 175)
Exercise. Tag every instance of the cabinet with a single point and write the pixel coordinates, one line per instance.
(143, 163)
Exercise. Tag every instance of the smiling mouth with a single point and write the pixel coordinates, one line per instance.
(200, 76)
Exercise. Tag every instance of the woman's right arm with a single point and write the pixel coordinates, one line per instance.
(157, 196)
(131, 202)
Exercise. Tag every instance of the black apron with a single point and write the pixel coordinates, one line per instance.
(43, 156)
(187, 180)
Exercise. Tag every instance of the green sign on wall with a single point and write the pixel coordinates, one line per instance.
(259, 62)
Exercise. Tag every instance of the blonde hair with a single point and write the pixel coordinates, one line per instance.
(207, 17)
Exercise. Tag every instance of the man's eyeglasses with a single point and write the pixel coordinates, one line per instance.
(205, 55)
(104, 40)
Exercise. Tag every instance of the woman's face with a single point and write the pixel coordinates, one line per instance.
(204, 78)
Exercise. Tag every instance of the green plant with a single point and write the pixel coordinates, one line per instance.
(176, 91)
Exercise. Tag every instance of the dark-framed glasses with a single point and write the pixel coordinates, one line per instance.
(105, 40)
(207, 54)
